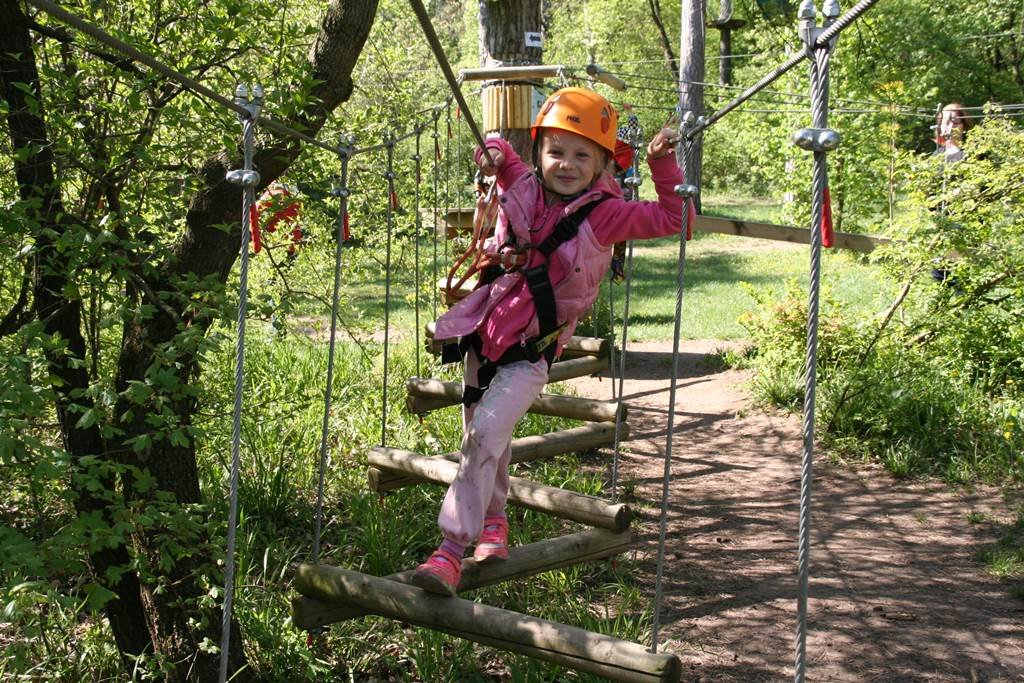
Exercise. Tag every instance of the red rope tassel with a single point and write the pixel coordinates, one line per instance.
(345, 234)
(691, 218)
(437, 149)
(254, 228)
(827, 237)
(393, 198)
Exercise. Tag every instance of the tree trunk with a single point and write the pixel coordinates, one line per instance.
(504, 30)
(142, 618)
(691, 78)
(37, 185)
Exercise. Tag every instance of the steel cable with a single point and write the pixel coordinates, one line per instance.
(342, 193)
(248, 200)
(819, 118)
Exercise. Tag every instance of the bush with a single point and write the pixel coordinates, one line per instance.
(934, 384)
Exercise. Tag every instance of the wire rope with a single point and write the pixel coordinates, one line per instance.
(341, 191)
(819, 118)
(673, 387)
(437, 160)
(628, 266)
(248, 178)
(417, 159)
(390, 176)
(447, 178)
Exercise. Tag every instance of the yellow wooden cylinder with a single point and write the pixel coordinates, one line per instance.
(507, 106)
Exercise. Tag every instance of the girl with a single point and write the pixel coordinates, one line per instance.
(554, 240)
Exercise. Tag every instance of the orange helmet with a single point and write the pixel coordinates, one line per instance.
(579, 111)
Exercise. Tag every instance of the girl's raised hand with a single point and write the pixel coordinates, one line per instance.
(662, 143)
(489, 167)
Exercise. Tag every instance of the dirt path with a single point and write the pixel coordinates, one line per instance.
(897, 592)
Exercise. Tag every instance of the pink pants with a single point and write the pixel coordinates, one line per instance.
(481, 486)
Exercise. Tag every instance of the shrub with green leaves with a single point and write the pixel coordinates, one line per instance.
(933, 383)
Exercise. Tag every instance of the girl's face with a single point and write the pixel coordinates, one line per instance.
(569, 163)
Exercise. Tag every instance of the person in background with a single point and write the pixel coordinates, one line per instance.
(951, 126)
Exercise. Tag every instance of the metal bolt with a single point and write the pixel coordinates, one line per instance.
(686, 190)
(416, 157)
(804, 139)
(633, 181)
(806, 11)
(339, 191)
(831, 9)
(389, 175)
(828, 140)
(243, 177)
(257, 101)
(816, 139)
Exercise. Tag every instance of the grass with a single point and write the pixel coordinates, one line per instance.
(1005, 559)
(716, 268)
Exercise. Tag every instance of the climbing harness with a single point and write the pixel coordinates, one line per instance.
(538, 281)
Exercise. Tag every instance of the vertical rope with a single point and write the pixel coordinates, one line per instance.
(390, 175)
(437, 148)
(611, 332)
(622, 370)
(635, 195)
(341, 191)
(417, 158)
(676, 333)
(248, 200)
(447, 176)
(819, 116)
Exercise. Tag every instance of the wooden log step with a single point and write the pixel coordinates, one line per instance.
(523, 561)
(424, 395)
(525, 449)
(576, 367)
(575, 347)
(576, 507)
(560, 644)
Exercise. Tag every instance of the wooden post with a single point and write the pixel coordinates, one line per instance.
(564, 645)
(525, 449)
(551, 500)
(425, 395)
(523, 561)
(691, 78)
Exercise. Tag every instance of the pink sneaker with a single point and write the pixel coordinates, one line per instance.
(493, 543)
(439, 574)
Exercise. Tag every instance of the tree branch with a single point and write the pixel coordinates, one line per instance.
(20, 313)
(63, 36)
(666, 45)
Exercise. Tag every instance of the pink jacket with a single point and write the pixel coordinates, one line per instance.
(503, 312)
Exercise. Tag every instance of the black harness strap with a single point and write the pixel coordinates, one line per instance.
(539, 281)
